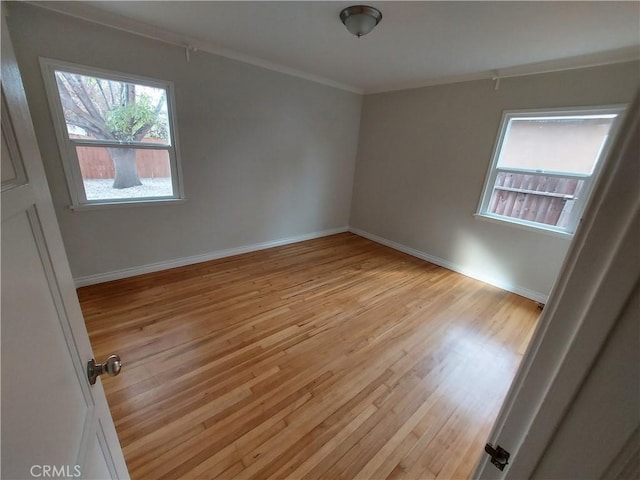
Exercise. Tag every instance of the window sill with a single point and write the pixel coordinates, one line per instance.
(523, 226)
(144, 203)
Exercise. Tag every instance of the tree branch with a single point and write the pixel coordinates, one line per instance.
(85, 97)
(142, 131)
(104, 96)
(113, 98)
(82, 118)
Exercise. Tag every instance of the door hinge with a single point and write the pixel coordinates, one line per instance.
(499, 456)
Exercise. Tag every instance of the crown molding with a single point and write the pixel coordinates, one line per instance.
(92, 14)
(609, 57)
(598, 59)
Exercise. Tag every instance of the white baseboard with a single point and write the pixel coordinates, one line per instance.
(180, 262)
(525, 292)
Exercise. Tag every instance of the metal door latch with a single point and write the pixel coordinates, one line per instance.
(499, 456)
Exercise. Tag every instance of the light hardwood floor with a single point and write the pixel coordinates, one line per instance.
(331, 358)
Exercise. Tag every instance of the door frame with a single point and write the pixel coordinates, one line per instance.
(597, 278)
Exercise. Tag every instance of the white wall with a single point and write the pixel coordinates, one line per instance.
(265, 156)
(422, 159)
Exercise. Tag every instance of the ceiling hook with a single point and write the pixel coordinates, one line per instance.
(496, 78)
(188, 48)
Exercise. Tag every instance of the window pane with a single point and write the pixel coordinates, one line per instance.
(535, 198)
(569, 144)
(117, 173)
(109, 110)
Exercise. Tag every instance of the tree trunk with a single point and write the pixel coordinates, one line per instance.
(124, 163)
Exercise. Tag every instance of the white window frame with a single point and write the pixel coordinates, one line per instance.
(68, 145)
(589, 180)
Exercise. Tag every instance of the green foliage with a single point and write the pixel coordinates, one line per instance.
(159, 129)
(127, 120)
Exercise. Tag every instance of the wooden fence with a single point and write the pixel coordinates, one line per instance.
(95, 162)
(537, 198)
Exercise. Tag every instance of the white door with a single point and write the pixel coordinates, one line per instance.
(585, 309)
(54, 424)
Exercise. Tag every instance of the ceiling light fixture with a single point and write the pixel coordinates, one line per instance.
(360, 19)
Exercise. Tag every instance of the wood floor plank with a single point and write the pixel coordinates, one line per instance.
(332, 358)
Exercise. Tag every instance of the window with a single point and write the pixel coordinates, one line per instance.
(544, 166)
(116, 134)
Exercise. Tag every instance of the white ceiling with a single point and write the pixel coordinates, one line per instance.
(416, 43)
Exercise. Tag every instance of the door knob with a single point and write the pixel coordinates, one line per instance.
(111, 367)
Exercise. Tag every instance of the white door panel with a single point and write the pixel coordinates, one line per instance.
(98, 464)
(12, 167)
(33, 423)
(54, 424)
